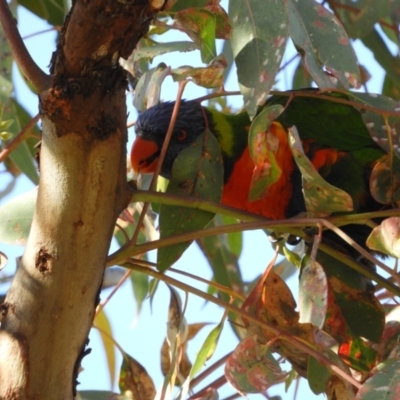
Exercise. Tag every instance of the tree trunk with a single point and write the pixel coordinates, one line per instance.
(50, 306)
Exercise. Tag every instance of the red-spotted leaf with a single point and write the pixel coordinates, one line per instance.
(16, 218)
(359, 17)
(390, 340)
(384, 180)
(357, 354)
(209, 77)
(323, 43)
(321, 198)
(252, 368)
(313, 293)
(199, 25)
(259, 34)
(197, 172)
(222, 26)
(386, 237)
(384, 383)
(265, 141)
(383, 130)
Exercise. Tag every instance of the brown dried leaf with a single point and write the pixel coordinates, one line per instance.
(134, 378)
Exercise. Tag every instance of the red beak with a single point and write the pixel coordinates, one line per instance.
(144, 155)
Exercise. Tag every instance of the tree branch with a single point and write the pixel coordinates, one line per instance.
(19, 138)
(40, 80)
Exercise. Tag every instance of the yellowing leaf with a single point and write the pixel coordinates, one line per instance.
(104, 327)
(321, 198)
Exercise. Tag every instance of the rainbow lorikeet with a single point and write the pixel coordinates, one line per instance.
(333, 135)
(339, 146)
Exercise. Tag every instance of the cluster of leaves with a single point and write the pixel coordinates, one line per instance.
(340, 323)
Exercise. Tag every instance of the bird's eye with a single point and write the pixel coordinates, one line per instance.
(182, 135)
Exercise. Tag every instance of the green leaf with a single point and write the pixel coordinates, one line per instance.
(16, 218)
(360, 16)
(259, 34)
(161, 48)
(263, 146)
(382, 54)
(205, 353)
(53, 11)
(301, 77)
(10, 110)
(317, 376)
(321, 198)
(390, 88)
(197, 172)
(24, 118)
(323, 43)
(22, 155)
(6, 60)
(224, 263)
(360, 309)
(140, 285)
(233, 240)
(200, 25)
(384, 384)
(226, 269)
(387, 23)
(378, 124)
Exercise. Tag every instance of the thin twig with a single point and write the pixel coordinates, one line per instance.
(162, 156)
(31, 35)
(215, 285)
(117, 286)
(283, 335)
(40, 80)
(288, 225)
(24, 134)
(199, 378)
(220, 93)
(216, 384)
